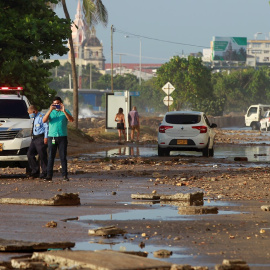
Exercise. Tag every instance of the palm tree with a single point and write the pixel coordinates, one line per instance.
(94, 12)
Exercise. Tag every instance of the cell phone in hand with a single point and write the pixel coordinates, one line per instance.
(57, 106)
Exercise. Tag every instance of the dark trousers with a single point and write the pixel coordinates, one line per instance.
(61, 145)
(37, 146)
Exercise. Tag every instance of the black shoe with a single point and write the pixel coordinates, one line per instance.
(34, 175)
(48, 179)
(65, 178)
(43, 176)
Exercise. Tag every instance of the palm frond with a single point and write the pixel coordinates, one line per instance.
(95, 12)
(101, 12)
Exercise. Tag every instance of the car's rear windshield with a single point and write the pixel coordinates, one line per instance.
(183, 119)
(10, 108)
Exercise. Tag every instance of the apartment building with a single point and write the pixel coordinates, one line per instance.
(258, 52)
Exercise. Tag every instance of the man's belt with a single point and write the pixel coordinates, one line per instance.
(37, 136)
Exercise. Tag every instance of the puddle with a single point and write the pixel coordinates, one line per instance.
(128, 246)
(254, 153)
(156, 212)
(237, 128)
(125, 151)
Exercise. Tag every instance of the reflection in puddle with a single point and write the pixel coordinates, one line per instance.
(254, 153)
(128, 246)
(155, 212)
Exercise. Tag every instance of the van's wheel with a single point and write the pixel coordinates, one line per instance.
(254, 126)
(206, 152)
(163, 152)
(267, 129)
(211, 152)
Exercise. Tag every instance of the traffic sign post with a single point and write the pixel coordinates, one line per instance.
(168, 88)
(168, 101)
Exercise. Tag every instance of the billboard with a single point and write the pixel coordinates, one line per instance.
(229, 48)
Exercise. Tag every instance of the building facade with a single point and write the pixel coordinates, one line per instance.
(258, 51)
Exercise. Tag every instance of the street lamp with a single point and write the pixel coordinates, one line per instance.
(256, 35)
(140, 76)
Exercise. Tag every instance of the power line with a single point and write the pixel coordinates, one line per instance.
(157, 39)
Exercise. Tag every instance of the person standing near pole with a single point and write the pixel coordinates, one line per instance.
(38, 144)
(58, 118)
(134, 123)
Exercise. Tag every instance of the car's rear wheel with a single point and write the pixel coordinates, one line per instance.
(211, 152)
(206, 152)
(163, 152)
(267, 129)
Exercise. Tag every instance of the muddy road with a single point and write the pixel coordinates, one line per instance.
(105, 181)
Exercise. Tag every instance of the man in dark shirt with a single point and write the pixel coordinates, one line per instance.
(134, 123)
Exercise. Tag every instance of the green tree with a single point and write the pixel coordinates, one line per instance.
(192, 82)
(242, 88)
(30, 32)
(151, 97)
(104, 82)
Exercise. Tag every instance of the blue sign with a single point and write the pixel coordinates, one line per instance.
(131, 93)
(134, 94)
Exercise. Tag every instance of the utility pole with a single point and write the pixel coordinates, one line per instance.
(112, 30)
(90, 76)
(140, 81)
(120, 61)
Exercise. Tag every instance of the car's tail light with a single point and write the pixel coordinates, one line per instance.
(269, 119)
(202, 129)
(162, 129)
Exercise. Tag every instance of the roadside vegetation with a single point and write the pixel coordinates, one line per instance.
(197, 87)
(30, 33)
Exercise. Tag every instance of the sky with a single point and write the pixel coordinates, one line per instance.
(186, 25)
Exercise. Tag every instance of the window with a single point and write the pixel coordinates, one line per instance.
(267, 45)
(256, 51)
(13, 109)
(183, 119)
(256, 45)
(206, 120)
(252, 110)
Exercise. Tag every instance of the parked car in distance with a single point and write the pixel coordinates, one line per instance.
(265, 122)
(186, 131)
(254, 114)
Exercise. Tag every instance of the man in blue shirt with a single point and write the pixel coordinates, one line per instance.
(58, 118)
(38, 144)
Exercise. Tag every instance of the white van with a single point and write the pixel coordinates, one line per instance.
(15, 128)
(254, 114)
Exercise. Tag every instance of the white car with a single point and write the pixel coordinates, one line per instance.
(15, 128)
(186, 131)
